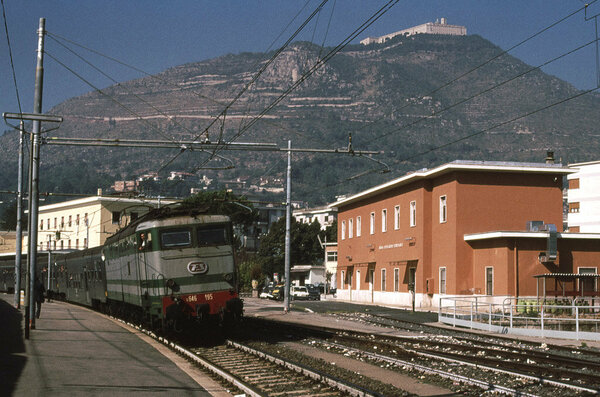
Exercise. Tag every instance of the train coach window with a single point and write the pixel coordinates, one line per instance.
(215, 235)
(175, 238)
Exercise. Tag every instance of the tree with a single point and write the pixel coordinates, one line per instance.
(238, 208)
(8, 220)
(305, 248)
(331, 232)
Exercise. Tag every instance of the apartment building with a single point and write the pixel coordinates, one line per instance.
(87, 222)
(583, 197)
(324, 215)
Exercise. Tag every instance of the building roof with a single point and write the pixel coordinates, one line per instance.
(585, 163)
(457, 165)
(313, 211)
(509, 234)
(98, 200)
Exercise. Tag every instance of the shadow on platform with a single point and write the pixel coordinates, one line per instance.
(12, 347)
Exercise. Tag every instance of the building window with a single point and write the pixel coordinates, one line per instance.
(85, 219)
(69, 221)
(489, 280)
(116, 217)
(397, 217)
(443, 210)
(383, 279)
(396, 280)
(48, 245)
(54, 245)
(358, 226)
(77, 219)
(42, 224)
(573, 207)
(62, 222)
(587, 284)
(357, 280)
(342, 280)
(372, 223)
(77, 243)
(69, 244)
(574, 183)
(48, 224)
(62, 244)
(331, 256)
(343, 230)
(85, 244)
(413, 213)
(350, 228)
(442, 280)
(55, 223)
(384, 220)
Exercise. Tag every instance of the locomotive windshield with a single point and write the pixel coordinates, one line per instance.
(213, 235)
(176, 238)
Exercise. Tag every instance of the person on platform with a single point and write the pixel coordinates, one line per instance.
(39, 296)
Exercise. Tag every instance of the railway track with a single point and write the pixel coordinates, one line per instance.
(507, 369)
(257, 373)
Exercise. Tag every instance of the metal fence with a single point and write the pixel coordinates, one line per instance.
(558, 318)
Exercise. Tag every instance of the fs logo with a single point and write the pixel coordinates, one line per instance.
(197, 267)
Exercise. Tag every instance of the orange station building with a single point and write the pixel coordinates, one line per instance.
(463, 228)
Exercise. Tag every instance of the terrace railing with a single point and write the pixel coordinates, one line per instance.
(557, 318)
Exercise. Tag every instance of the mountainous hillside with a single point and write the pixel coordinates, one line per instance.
(391, 97)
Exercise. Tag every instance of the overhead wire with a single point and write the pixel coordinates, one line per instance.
(497, 56)
(469, 136)
(373, 18)
(485, 91)
(12, 64)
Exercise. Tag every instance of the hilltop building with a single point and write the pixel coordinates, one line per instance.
(463, 228)
(583, 198)
(437, 27)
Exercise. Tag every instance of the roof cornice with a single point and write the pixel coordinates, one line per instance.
(458, 165)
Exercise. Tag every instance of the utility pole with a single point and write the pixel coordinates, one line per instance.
(19, 234)
(34, 171)
(288, 222)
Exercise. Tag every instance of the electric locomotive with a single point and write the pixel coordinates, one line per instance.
(171, 268)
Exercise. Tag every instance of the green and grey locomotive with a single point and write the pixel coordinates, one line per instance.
(169, 268)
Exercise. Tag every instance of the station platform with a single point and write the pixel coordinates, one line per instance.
(76, 351)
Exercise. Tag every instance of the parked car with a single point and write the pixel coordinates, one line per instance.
(278, 292)
(314, 294)
(300, 293)
(266, 293)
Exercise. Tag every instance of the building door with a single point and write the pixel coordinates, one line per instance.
(371, 281)
(489, 281)
(350, 285)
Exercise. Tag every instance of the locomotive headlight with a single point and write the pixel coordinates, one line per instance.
(172, 285)
(228, 276)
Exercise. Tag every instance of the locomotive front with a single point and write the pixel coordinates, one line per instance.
(187, 270)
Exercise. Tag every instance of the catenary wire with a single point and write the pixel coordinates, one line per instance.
(378, 14)
(480, 132)
(500, 54)
(487, 90)
(12, 65)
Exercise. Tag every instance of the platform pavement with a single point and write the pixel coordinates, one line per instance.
(319, 313)
(75, 351)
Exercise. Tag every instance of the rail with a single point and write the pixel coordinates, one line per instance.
(559, 318)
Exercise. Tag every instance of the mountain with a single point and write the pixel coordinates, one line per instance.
(390, 97)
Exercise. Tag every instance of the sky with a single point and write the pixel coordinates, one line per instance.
(154, 35)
